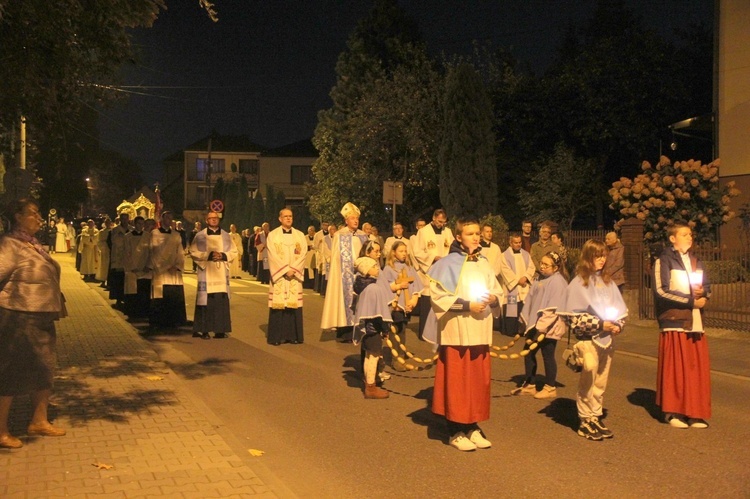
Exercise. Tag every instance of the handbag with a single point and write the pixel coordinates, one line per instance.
(571, 357)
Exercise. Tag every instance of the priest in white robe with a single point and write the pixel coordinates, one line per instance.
(517, 268)
(347, 242)
(167, 263)
(213, 251)
(137, 270)
(61, 245)
(432, 243)
(235, 269)
(103, 269)
(88, 250)
(116, 275)
(287, 248)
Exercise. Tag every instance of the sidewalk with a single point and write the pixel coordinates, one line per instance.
(133, 429)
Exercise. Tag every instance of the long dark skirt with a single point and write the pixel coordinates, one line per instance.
(138, 305)
(28, 354)
(116, 283)
(309, 282)
(245, 261)
(214, 316)
(169, 311)
(253, 264)
(285, 325)
(264, 275)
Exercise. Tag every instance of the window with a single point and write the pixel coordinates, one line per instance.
(301, 174)
(201, 167)
(251, 169)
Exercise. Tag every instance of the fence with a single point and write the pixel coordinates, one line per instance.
(576, 238)
(728, 271)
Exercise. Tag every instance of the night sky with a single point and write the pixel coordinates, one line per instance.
(267, 67)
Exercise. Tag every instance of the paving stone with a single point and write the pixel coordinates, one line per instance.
(157, 440)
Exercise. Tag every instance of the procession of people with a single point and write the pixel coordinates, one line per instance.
(463, 286)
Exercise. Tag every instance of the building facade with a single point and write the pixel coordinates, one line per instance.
(191, 175)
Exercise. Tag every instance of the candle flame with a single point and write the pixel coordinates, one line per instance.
(610, 313)
(478, 291)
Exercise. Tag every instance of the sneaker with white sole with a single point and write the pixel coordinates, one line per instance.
(476, 437)
(676, 421)
(547, 392)
(525, 389)
(697, 423)
(603, 430)
(460, 442)
(589, 431)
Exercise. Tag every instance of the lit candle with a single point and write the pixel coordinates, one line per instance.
(610, 314)
(696, 277)
(477, 291)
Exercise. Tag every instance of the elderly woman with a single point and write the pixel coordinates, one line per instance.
(30, 302)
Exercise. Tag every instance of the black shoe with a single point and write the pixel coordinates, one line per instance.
(206, 336)
(197, 335)
(220, 335)
(296, 342)
(603, 430)
(589, 431)
(274, 343)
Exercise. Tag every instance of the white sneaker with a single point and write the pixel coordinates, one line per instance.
(675, 421)
(547, 392)
(460, 442)
(477, 439)
(525, 389)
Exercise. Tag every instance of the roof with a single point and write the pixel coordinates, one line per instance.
(302, 148)
(226, 143)
(177, 157)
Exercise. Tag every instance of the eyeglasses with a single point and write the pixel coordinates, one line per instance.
(544, 266)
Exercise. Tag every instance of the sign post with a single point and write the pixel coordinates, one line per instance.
(393, 194)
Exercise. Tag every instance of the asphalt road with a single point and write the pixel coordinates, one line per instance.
(302, 405)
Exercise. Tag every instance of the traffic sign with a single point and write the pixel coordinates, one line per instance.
(393, 192)
(217, 205)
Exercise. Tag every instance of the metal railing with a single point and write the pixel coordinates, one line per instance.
(577, 238)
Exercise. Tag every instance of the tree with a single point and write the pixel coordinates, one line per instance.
(663, 194)
(258, 211)
(559, 187)
(112, 178)
(467, 149)
(611, 98)
(382, 125)
(60, 59)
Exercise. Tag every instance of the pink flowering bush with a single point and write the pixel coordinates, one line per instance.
(686, 191)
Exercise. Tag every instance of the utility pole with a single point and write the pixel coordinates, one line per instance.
(208, 174)
(22, 155)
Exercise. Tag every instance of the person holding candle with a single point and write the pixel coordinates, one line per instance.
(595, 312)
(681, 291)
(465, 295)
(539, 317)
